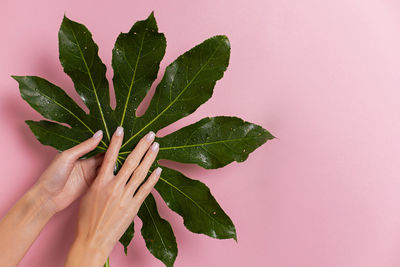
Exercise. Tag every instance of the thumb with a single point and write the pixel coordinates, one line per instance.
(59, 170)
(74, 153)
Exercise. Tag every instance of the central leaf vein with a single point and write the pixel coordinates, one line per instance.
(155, 225)
(91, 81)
(175, 99)
(133, 78)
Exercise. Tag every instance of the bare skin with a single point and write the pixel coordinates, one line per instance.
(106, 210)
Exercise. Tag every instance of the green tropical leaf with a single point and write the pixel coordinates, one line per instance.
(56, 135)
(157, 233)
(79, 57)
(136, 61)
(187, 83)
(51, 101)
(126, 238)
(213, 142)
(193, 201)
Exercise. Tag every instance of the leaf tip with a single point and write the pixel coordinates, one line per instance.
(15, 77)
(225, 39)
(29, 122)
(65, 18)
(234, 234)
(151, 21)
(269, 136)
(149, 24)
(31, 125)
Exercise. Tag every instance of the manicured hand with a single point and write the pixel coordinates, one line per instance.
(112, 201)
(67, 177)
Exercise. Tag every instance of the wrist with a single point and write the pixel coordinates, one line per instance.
(85, 252)
(39, 201)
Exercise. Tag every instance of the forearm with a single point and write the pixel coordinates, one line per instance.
(22, 224)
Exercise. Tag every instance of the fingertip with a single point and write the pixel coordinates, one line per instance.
(155, 146)
(111, 154)
(150, 136)
(119, 131)
(158, 171)
(155, 175)
(97, 135)
(117, 137)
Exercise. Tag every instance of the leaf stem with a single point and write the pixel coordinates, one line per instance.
(107, 264)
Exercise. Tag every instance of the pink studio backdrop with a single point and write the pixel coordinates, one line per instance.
(322, 76)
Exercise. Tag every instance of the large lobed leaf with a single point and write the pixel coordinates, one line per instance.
(187, 83)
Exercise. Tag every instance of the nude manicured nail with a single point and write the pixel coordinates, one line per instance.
(150, 136)
(154, 146)
(97, 134)
(119, 131)
(158, 171)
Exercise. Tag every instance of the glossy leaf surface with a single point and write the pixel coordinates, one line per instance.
(193, 201)
(80, 59)
(136, 60)
(157, 233)
(187, 83)
(213, 142)
(52, 102)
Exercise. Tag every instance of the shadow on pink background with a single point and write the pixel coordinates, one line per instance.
(322, 76)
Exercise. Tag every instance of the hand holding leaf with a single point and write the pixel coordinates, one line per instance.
(188, 82)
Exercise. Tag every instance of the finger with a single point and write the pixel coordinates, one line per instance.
(133, 160)
(140, 173)
(90, 166)
(111, 155)
(74, 153)
(146, 188)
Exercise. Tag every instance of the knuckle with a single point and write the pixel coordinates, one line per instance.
(135, 183)
(138, 174)
(123, 175)
(149, 185)
(153, 178)
(126, 194)
(146, 162)
(147, 188)
(141, 194)
(132, 162)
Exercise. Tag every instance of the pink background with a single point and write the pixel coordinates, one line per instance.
(323, 76)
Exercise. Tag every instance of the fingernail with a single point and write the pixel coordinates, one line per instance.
(158, 171)
(150, 136)
(154, 146)
(97, 134)
(119, 131)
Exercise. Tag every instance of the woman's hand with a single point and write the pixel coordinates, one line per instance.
(62, 182)
(67, 177)
(112, 201)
